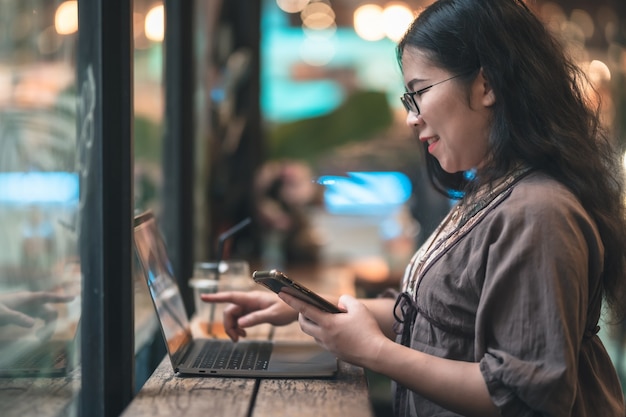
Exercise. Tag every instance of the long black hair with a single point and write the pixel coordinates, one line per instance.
(542, 117)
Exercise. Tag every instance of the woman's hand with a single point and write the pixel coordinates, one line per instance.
(249, 308)
(23, 307)
(353, 336)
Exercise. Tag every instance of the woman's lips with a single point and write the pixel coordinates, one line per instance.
(431, 141)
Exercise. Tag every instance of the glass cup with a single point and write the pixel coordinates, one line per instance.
(232, 275)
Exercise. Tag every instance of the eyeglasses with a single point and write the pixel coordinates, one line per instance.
(408, 99)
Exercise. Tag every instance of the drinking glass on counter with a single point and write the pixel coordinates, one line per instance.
(211, 277)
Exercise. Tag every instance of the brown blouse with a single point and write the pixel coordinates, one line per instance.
(512, 281)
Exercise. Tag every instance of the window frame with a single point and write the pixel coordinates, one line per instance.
(105, 84)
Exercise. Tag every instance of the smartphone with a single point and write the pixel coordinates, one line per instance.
(278, 281)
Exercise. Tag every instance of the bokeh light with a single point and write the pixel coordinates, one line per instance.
(368, 22)
(396, 20)
(292, 6)
(155, 23)
(66, 18)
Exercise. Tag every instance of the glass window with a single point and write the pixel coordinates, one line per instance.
(149, 31)
(148, 27)
(40, 275)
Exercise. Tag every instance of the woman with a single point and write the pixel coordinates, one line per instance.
(499, 309)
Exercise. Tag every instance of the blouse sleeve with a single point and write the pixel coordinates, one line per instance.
(541, 252)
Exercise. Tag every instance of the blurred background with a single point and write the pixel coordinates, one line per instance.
(297, 125)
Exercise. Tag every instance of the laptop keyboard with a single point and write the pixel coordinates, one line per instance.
(44, 355)
(229, 355)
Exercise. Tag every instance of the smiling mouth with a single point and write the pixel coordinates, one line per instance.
(430, 140)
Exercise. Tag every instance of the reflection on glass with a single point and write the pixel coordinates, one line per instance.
(40, 275)
(159, 275)
(148, 29)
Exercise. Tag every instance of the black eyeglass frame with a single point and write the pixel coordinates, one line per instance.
(408, 98)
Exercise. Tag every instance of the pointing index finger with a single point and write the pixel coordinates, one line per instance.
(224, 297)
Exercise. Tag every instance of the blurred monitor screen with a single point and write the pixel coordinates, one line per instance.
(39, 188)
(365, 193)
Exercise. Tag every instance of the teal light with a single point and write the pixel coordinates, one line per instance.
(39, 188)
(365, 193)
(285, 99)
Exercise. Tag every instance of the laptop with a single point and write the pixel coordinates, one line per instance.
(215, 357)
(33, 358)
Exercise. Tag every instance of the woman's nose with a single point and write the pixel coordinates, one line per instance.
(413, 119)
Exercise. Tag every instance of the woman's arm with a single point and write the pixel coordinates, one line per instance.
(357, 337)
(455, 385)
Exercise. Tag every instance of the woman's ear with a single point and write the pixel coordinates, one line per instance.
(488, 98)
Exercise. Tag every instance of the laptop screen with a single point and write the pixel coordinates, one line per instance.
(158, 273)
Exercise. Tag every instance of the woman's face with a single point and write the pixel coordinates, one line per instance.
(455, 126)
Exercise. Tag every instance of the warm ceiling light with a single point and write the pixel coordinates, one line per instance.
(599, 72)
(291, 6)
(66, 18)
(317, 7)
(155, 23)
(318, 16)
(584, 22)
(397, 18)
(368, 21)
(318, 21)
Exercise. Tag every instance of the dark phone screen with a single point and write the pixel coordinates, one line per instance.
(277, 282)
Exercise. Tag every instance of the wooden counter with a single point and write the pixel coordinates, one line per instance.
(58, 396)
(165, 394)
